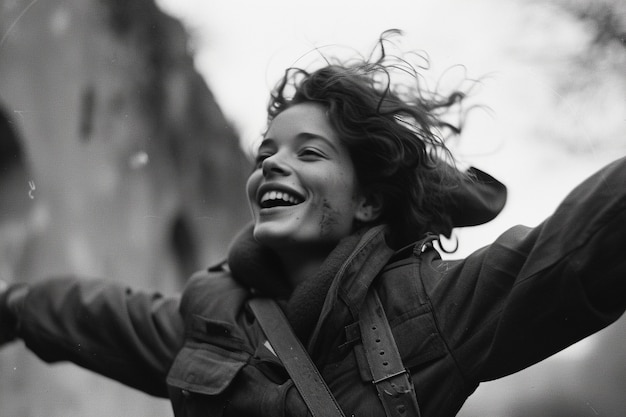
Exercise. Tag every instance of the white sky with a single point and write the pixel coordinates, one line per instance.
(244, 45)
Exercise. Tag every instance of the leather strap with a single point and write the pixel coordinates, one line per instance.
(306, 377)
(391, 379)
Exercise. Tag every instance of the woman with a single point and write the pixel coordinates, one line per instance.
(352, 183)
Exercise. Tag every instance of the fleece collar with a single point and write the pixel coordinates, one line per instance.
(258, 268)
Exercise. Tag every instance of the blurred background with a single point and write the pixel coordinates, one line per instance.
(125, 125)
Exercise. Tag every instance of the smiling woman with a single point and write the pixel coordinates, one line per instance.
(352, 185)
(302, 159)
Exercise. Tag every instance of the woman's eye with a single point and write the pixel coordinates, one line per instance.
(311, 153)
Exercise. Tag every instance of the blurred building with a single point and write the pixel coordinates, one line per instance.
(115, 162)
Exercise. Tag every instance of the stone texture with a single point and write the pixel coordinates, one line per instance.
(116, 162)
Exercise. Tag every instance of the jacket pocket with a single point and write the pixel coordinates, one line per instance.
(210, 359)
(418, 338)
(205, 369)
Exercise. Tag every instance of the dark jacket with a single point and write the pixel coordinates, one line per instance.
(531, 293)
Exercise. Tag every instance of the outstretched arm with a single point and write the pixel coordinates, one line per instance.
(535, 291)
(105, 327)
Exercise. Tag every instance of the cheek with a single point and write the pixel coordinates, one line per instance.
(252, 185)
(329, 219)
(337, 215)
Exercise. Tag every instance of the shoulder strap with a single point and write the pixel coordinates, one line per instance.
(294, 357)
(391, 379)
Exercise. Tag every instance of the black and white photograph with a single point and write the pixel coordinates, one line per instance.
(330, 209)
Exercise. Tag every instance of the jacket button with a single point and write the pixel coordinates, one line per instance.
(185, 393)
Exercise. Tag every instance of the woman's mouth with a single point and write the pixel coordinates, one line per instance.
(275, 198)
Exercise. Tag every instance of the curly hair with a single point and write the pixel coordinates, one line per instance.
(393, 133)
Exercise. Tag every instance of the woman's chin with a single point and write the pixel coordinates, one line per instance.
(269, 236)
(284, 237)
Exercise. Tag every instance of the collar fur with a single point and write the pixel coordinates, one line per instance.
(258, 268)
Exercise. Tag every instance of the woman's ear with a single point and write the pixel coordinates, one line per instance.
(370, 208)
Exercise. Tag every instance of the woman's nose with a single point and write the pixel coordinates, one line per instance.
(275, 165)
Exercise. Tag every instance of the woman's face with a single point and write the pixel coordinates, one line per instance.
(303, 191)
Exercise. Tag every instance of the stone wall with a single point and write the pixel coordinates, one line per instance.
(116, 162)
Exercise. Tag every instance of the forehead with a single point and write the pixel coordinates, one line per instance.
(301, 118)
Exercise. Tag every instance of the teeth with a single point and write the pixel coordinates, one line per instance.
(279, 195)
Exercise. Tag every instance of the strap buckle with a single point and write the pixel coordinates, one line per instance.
(386, 377)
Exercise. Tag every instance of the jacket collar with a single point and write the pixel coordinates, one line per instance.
(346, 275)
(352, 280)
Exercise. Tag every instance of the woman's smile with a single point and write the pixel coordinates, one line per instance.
(276, 195)
(304, 189)
(277, 199)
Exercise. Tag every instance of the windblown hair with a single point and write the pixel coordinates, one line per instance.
(393, 133)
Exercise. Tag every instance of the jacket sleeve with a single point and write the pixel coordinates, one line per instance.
(535, 291)
(105, 327)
